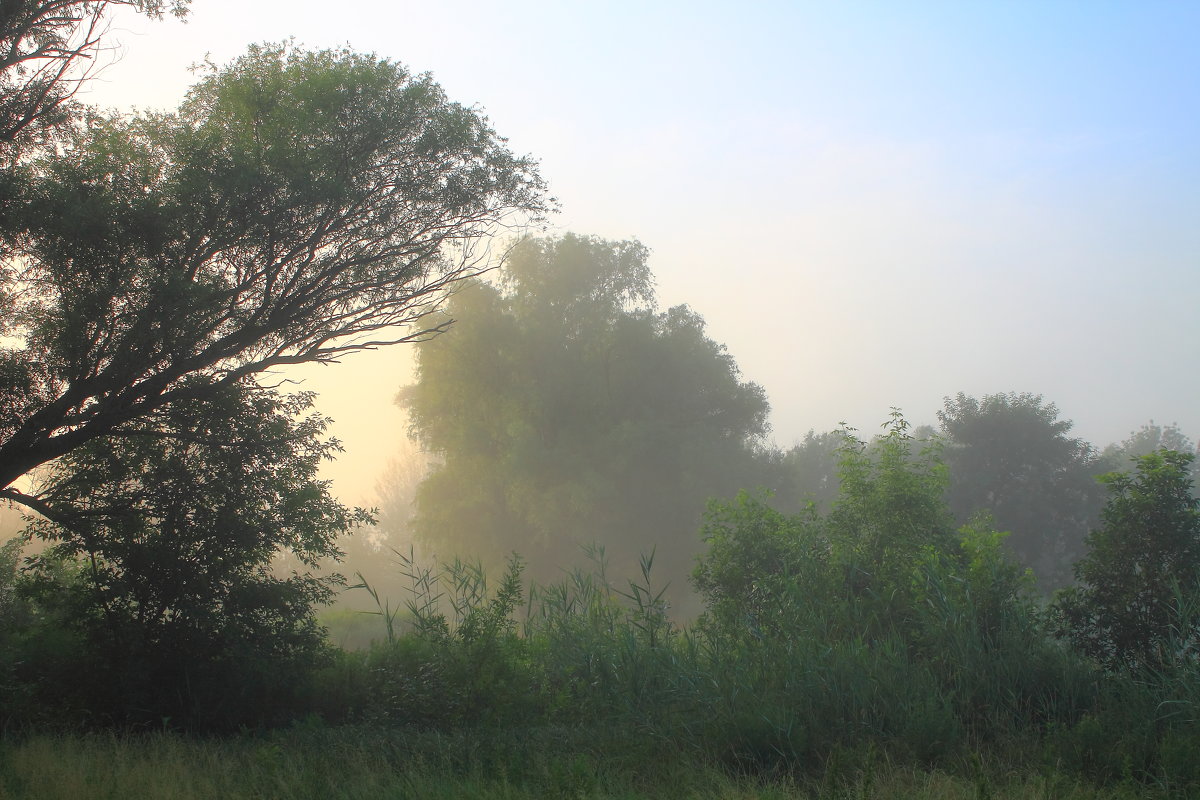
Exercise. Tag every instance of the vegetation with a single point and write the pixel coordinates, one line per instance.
(158, 570)
(47, 49)
(862, 650)
(1136, 604)
(155, 259)
(297, 207)
(866, 632)
(1011, 455)
(564, 409)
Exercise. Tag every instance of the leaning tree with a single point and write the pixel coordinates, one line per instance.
(297, 207)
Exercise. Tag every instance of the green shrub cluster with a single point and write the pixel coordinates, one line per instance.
(874, 631)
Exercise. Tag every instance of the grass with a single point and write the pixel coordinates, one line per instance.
(359, 763)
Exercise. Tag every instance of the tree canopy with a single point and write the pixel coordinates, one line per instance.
(567, 411)
(1151, 438)
(48, 48)
(299, 206)
(162, 557)
(1011, 455)
(1135, 605)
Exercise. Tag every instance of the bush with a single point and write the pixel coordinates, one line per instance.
(1136, 605)
(161, 565)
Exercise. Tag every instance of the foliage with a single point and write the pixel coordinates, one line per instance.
(299, 206)
(888, 517)
(837, 649)
(809, 472)
(1148, 439)
(463, 662)
(1010, 455)
(160, 565)
(566, 410)
(889, 510)
(1136, 603)
(754, 557)
(13, 618)
(48, 48)
(877, 612)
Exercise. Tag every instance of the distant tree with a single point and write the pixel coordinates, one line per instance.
(374, 554)
(1149, 439)
(298, 207)
(809, 472)
(1010, 455)
(566, 410)
(1136, 602)
(163, 543)
(397, 492)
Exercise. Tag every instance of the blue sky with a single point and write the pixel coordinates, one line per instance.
(872, 204)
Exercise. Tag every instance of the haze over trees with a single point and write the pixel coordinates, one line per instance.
(873, 616)
(566, 411)
(808, 472)
(1148, 439)
(1011, 455)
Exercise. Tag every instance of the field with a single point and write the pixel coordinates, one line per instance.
(355, 762)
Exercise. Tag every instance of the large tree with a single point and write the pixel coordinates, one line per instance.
(1011, 455)
(566, 411)
(299, 206)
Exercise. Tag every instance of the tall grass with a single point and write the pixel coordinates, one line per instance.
(954, 684)
(361, 763)
(586, 688)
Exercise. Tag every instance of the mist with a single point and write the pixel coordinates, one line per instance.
(621, 400)
(869, 207)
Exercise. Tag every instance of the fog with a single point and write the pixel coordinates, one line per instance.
(834, 429)
(870, 206)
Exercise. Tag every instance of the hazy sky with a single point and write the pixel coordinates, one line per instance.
(872, 204)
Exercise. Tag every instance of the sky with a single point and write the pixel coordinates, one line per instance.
(872, 204)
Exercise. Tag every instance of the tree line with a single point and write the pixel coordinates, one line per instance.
(564, 408)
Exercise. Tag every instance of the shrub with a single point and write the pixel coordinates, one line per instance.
(1135, 605)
